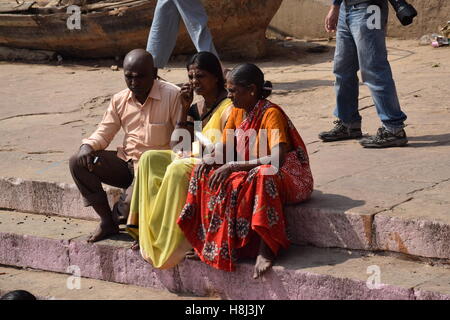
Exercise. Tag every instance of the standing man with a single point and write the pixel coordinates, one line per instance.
(165, 26)
(361, 44)
(147, 112)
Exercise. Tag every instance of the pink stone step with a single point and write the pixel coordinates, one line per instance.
(55, 243)
(50, 198)
(421, 229)
(46, 285)
(323, 221)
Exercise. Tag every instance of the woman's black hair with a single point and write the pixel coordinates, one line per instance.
(18, 295)
(209, 62)
(247, 74)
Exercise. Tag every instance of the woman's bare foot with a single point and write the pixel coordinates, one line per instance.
(103, 231)
(264, 261)
(191, 254)
(135, 245)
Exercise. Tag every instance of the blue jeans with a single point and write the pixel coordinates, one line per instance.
(164, 30)
(358, 47)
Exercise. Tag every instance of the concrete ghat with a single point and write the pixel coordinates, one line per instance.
(53, 286)
(325, 227)
(407, 228)
(50, 198)
(323, 221)
(300, 273)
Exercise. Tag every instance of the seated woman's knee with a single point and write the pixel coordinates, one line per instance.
(152, 156)
(177, 170)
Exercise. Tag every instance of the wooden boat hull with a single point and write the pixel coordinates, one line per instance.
(238, 29)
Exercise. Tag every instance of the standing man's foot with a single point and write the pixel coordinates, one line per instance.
(385, 139)
(103, 231)
(340, 132)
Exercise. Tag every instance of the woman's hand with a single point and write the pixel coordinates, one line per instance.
(220, 175)
(208, 163)
(202, 169)
(184, 154)
(187, 95)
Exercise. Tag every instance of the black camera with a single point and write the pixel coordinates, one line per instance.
(405, 11)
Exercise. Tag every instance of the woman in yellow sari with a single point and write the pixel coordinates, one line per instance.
(162, 180)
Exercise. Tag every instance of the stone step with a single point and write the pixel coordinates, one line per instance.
(49, 198)
(59, 244)
(324, 221)
(46, 285)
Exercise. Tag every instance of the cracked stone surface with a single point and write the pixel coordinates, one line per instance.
(408, 228)
(299, 273)
(393, 199)
(53, 286)
(48, 198)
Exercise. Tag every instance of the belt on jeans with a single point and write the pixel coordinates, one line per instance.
(353, 2)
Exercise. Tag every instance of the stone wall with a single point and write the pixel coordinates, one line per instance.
(304, 19)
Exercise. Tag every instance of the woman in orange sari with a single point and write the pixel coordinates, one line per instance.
(235, 210)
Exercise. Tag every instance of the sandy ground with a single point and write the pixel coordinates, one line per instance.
(45, 111)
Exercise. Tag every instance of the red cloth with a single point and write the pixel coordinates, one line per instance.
(229, 222)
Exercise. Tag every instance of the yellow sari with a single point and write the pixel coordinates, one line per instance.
(159, 194)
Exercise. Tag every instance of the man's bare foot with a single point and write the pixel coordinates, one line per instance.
(103, 231)
(191, 254)
(135, 245)
(264, 261)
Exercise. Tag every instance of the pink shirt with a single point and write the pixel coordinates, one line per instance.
(146, 126)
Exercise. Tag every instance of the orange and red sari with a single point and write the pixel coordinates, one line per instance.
(226, 224)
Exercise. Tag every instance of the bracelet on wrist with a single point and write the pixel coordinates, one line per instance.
(234, 165)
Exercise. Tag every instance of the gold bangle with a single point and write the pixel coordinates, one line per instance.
(233, 165)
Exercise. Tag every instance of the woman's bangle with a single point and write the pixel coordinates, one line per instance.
(234, 165)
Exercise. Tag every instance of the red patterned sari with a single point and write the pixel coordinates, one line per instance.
(226, 224)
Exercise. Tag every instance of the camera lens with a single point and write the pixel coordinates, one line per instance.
(406, 14)
(405, 11)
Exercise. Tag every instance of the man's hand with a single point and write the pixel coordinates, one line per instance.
(85, 157)
(332, 19)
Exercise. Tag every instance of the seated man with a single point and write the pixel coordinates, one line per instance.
(147, 112)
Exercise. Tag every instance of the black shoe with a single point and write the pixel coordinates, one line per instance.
(340, 132)
(385, 139)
